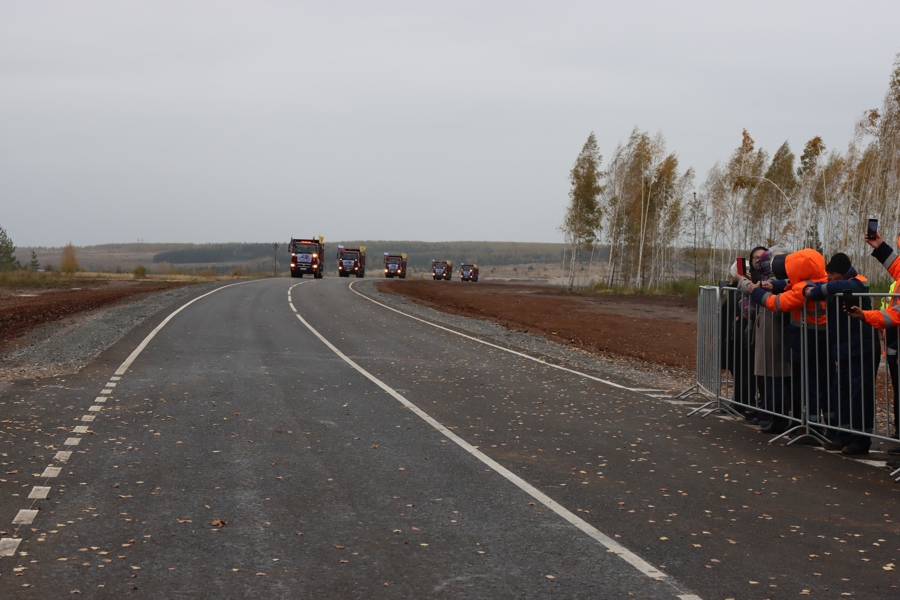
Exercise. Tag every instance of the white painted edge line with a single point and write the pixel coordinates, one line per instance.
(137, 351)
(475, 339)
(609, 543)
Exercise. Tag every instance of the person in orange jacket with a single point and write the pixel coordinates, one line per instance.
(889, 316)
(800, 269)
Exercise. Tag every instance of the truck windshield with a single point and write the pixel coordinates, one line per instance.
(392, 261)
(304, 248)
(349, 255)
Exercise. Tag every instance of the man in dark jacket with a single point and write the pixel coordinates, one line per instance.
(854, 345)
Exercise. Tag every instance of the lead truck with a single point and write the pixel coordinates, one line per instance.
(395, 265)
(351, 261)
(307, 256)
(441, 269)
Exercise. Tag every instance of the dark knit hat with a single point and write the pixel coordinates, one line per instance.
(839, 263)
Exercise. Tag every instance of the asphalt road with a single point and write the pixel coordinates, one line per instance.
(293, 439)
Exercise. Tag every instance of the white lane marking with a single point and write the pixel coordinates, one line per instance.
(110, 385)
(475, 339)
(51, 472)
(8, 546)
(72, 441)
(609, 543)
(114, 378)
(106, 391)
(100, 400)
(80, 429)
(137, 351)
(25, 517)
(95, 408)
(88, 418)
(39, 492)
(63, 455)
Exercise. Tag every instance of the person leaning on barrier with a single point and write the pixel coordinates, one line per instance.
(800, 268)
(888, 317)
(855, 348)
(892, 353)
(736, 341)
(771, 362)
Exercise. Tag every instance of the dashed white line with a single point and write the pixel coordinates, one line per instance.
(72, 441)
(39, 492)
(25, 517)
(88, 418)
(8, 546)
(63, 456)
(80, 429)
(95, 408)
(100, 400)
(51, 472)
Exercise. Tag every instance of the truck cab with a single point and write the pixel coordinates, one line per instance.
(395, 265)
(441, 269)
(351, 261)
(468, 272)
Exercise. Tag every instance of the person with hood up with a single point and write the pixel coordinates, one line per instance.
(802, 268)
(855, 347)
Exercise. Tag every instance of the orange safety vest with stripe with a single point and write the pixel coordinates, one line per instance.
(889, 315)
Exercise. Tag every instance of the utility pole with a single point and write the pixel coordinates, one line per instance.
(275, 263)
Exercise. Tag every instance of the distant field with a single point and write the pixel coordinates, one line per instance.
(503, 260)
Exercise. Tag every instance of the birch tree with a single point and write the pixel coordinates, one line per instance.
(582, 221)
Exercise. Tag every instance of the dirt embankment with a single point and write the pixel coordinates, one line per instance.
(23, 310)
(656, 329)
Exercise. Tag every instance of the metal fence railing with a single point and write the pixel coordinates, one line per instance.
(822, 380)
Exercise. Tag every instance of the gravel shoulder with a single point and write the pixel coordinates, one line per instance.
(66, 345)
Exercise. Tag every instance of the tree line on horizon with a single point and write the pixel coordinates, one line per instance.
(657, 223)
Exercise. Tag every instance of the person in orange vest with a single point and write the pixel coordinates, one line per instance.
(801, 268)
(855, 347)
(888, 317)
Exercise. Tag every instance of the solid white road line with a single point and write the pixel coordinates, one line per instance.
(609, 543)
(475, 339)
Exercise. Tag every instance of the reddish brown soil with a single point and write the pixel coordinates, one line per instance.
(656, 329)
(23, 310)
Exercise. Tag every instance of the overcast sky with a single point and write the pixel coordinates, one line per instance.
(257, 121)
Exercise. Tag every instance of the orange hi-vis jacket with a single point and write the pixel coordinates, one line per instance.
(888, 317)
(802, 268)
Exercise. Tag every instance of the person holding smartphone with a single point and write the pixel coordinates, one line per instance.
(855, 347)
(887, 318)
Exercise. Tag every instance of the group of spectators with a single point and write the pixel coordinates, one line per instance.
(796, 328)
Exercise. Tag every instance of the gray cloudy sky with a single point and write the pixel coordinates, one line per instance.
(255, 121)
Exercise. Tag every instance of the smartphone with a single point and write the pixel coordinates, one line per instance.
(741, 267)
(847, 300)
(872, 229)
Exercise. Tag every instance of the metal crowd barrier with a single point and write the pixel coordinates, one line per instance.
(813, 383)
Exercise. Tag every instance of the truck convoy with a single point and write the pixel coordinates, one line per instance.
(307, 256)
(468, 272)
(395, 264)
(441, 269)
(351, 261)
